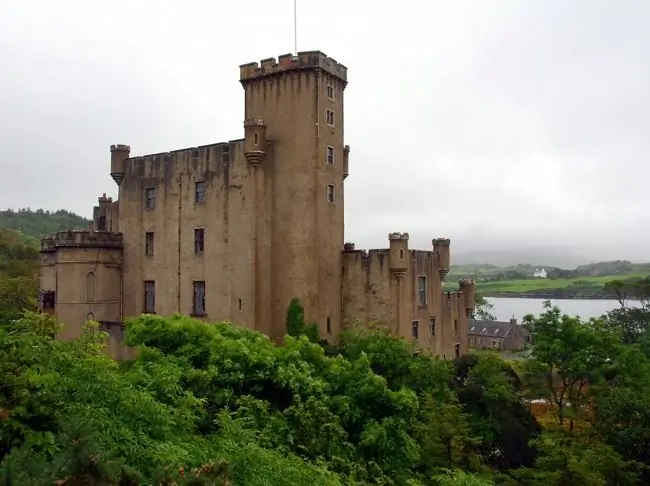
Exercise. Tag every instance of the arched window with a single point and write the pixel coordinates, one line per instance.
(90, 287)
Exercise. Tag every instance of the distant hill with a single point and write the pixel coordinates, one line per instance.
(40, 222)
(488, 272)
(546, 255)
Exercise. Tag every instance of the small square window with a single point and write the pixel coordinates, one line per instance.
(148, 243)
(199, 192)
(457, 350)
(415, 329)
(199, 240)
(150, 198)
(331, 197)
(330, 155)
(330, 92)
(329, 117)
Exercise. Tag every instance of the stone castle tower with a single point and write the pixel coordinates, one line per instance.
(235, 230)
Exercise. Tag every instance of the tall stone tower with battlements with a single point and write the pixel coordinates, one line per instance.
(235, 230)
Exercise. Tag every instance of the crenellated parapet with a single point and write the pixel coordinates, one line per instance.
(81, 239)
(288, 62)
(441, 247)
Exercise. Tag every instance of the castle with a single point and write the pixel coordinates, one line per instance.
(235, 230)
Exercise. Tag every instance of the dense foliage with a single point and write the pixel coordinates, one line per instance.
(216, 404)
(18, 275)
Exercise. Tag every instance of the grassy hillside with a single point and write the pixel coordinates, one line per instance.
(585, 281)
(40, 222)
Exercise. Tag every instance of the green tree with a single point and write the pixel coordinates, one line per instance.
(568, 358)
(483, 310)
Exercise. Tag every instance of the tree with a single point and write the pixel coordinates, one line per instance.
(568, 358)
(483, 310)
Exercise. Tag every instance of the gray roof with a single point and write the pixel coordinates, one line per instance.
(489, 328)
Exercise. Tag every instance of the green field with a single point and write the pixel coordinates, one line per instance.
(549, 284)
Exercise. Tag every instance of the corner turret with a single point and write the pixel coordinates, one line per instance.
(441, 247)
(346, 162)
(255, 141)
(119, 156)
(468, 287)
(398, 253)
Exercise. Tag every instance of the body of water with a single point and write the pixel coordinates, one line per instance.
(506, 308)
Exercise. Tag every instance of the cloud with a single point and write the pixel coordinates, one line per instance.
(496, 123)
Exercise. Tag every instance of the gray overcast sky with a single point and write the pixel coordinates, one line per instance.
(496, 123)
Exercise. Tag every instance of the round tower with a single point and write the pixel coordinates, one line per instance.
(398, 253)
(119, 156)
(441, 247)
(255, 141)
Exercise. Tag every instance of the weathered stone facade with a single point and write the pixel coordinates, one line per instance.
(235, 230)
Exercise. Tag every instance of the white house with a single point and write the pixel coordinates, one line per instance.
(539, 273)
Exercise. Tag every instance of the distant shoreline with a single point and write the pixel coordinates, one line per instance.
(546, 296)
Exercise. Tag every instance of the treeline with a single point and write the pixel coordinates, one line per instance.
(220, 405)
(40, 222)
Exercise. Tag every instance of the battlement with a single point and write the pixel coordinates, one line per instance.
(441, 242)
(398, 236)
(288, 62)
(81, 239)
(120, 148)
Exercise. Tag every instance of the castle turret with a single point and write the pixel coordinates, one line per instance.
(468, 287)
(255, 141)
(441, 247)
(346, 162)
(398, 254)
(119, 155)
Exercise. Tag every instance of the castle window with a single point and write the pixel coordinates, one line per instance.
(330, 155)
(331, 197)
(329, 117)
(330, 92)
(415, 329)
(148, 243)
(199, 240)
(422, 290)
(199, 192)
(432, 326)
(90, 287)
(150, 198)
(401, 253)
(198, 301)
(457, 350)
(149, 297)
(329, 325)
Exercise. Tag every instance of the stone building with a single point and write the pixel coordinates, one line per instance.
(235, 230)
(497, 335)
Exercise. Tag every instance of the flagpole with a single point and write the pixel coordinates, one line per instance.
(295, 26)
